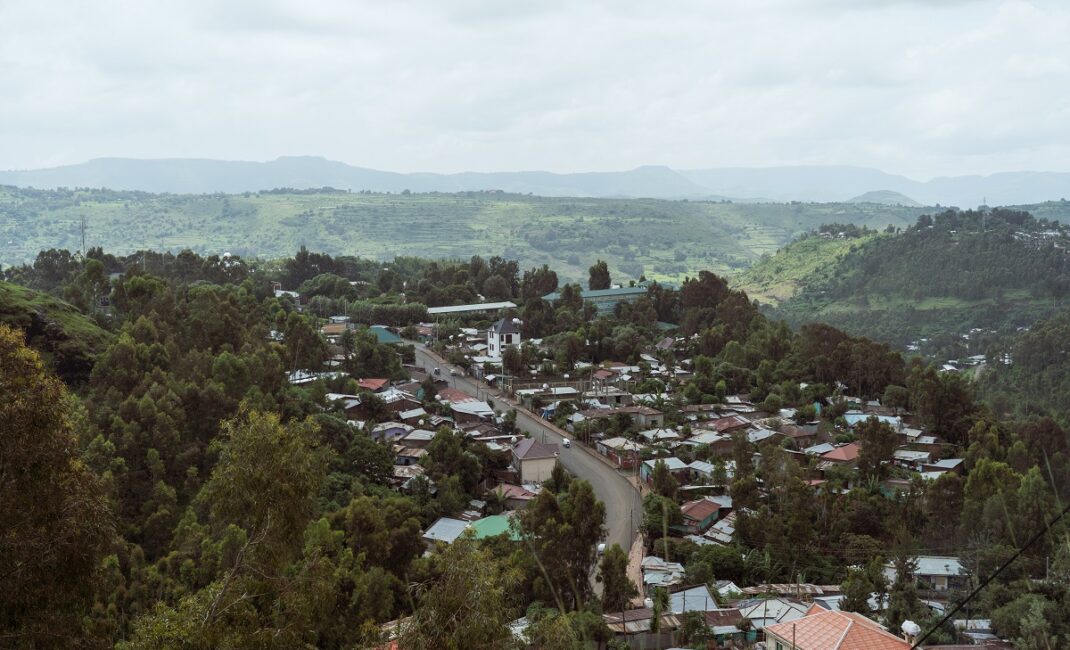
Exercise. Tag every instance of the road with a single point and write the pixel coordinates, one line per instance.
(623, 506)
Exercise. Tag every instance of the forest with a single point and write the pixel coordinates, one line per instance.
(949, 272)
(182, 493)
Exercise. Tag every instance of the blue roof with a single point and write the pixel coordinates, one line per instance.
(384, 335)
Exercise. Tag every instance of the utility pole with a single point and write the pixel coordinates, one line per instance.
(83, 236)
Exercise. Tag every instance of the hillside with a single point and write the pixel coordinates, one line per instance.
(656, 238)
(885, 197)
(1036, 381)
(944, 275)
(65, 337)
(810, 259)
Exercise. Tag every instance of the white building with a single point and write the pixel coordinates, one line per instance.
(502, 334)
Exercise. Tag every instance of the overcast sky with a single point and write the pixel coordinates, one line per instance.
(923, 88)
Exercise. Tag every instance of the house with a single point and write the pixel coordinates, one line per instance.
(470, 411)
(678, 468)
(384, 335)
(372, 385)
(478, 308)
(625, 453)
(699, 515)
(935, 572)
(501, 335)
(390, 431)
(910, 458)
(802, 435)
(830, 630)
(445, 529)
(729, 423)
(724, 531)
(659, 573)
(659, 435)
(691, 599)
(763, 612)
(843, 454)
(514, 497)
(493, 526)
(533, 460)
(610, 396)
(412, 416)
(955, 465)
(349, 403)
(720, 444)
(854, 418)
(406, 456)
(418, 438)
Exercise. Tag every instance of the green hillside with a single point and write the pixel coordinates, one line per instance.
(660, 239)
(66, 338)
(1029, 372)
(946, 274)
(810, 259)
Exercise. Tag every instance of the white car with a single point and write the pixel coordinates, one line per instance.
(566, 443)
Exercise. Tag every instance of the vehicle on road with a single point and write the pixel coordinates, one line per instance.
(566, 443)
(601, 548)
(436, 371)
(453, 371)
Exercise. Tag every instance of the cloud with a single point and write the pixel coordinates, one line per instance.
(967, 86)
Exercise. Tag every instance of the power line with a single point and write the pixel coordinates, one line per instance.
(989, 579)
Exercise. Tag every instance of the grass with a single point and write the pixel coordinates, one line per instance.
(779, 277)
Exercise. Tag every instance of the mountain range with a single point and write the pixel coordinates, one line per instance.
(777, 184)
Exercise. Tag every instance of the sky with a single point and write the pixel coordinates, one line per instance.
(920, 88)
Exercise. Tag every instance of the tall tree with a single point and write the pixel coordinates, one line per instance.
(54, 522)
(598, 276)
(469, 606)
(617, 588)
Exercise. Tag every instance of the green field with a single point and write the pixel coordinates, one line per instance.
(659, 239)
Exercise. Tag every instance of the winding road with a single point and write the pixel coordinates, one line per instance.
(623, 505)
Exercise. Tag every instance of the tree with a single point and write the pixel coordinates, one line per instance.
(617, 588)
(512, 362)
(54, 521)
(664, 482)
(856, 590)
(896, 397)
(599, 276)
(468, 606)
(878, 444)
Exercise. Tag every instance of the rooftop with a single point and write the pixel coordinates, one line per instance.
(532, 449)
(478, 307)
(832, 630)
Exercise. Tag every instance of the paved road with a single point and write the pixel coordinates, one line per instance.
(623, 506)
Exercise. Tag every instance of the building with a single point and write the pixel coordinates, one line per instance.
(699, 515)
(604, 300)
(935, 572)
(830, 630)
(533, 460)
(478, 308)
(501, 335)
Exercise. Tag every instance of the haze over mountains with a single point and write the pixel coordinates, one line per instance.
(794, 183)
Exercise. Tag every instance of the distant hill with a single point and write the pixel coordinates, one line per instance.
(946, 274)
(196, 176)
(66, 338)
(798, 183)
(884, 197)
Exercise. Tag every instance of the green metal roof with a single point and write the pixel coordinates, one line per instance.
(491, 526)
(384, 335)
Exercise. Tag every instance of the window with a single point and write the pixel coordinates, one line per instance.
(779, 645)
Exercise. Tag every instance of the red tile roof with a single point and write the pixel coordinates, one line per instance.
(843, 454)
(729, 423)
(454, 396)
(372, 384)
(832, 630)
